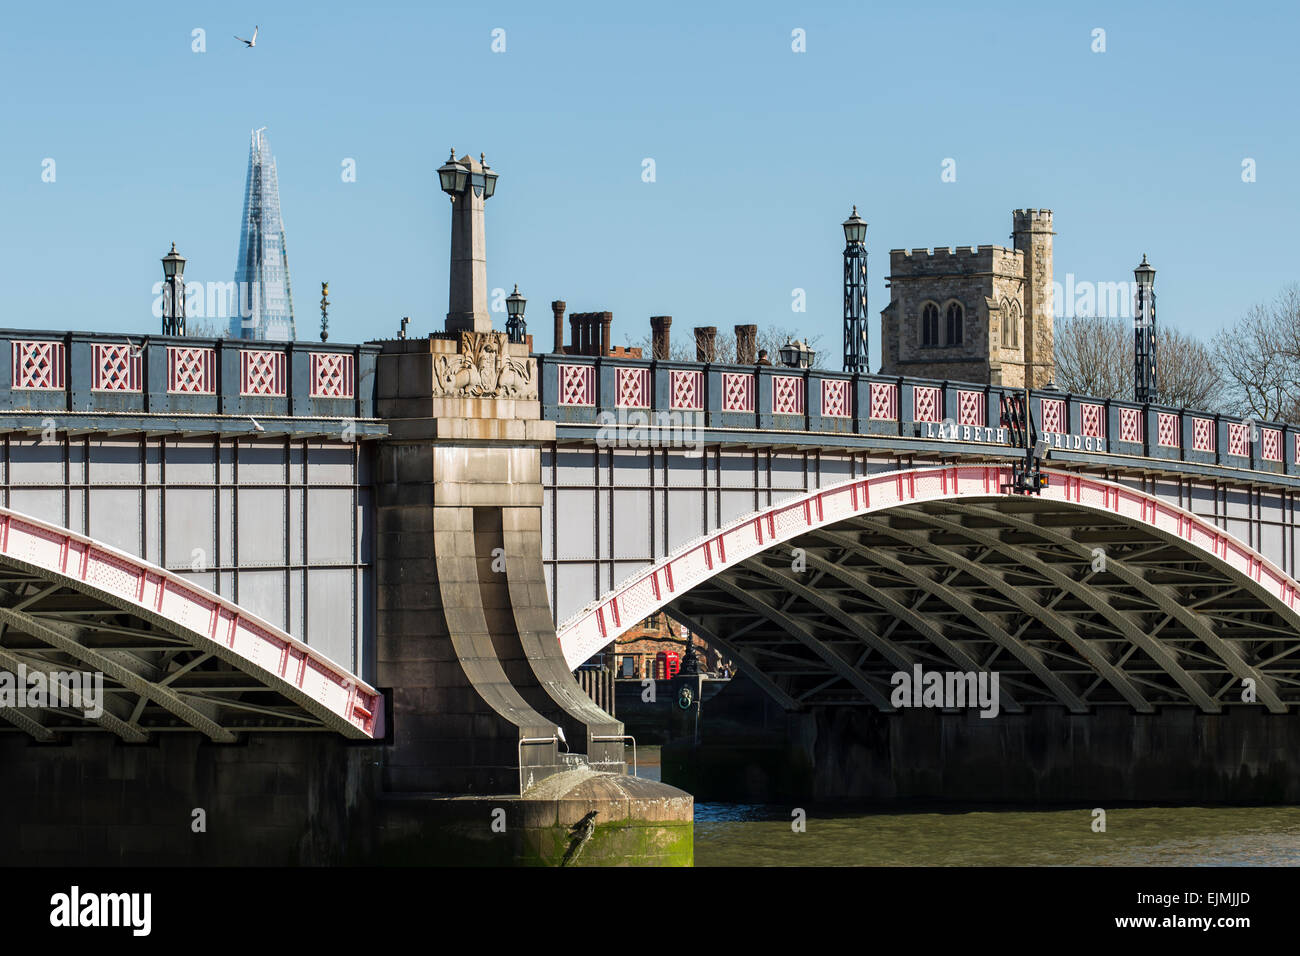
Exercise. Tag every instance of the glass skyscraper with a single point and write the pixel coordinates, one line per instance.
(264, 302)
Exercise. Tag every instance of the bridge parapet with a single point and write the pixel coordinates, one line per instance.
(632, 393)
(90, 372)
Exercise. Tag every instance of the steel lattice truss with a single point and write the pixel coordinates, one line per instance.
(152, 680)
(1092, 594)
(1018, 590)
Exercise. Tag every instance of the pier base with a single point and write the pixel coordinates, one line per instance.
(752, 751)
(309, 800)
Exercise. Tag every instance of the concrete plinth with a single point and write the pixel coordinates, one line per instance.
(636, 822)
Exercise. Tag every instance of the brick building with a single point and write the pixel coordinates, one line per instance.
(642, 643)
(974, 314)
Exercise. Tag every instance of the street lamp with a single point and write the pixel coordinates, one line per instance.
(516, 329)
(173, 318)
(855, 228)
(1145, 381)
(855, 295)
(796, 354)
(489, 178)
(469, 183)
(452, 175)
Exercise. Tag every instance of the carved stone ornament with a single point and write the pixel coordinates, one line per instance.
(483, 368)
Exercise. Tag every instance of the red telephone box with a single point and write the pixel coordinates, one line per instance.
(672, 664)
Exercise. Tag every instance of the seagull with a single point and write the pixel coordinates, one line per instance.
(249, 43)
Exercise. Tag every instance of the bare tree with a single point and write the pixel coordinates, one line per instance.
(678, 350)
(1187, 374)
(1094, 356)
(204, 328)
(1260, 360)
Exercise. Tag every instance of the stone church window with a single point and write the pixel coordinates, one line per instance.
(1010, 324)
(930, 324)
(955, 322)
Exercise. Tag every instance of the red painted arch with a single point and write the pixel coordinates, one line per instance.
(647, 591)
(280, 661)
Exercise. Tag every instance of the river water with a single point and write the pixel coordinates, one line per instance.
(763, 835)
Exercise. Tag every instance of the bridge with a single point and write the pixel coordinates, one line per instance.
(831, 530)
(358, 578)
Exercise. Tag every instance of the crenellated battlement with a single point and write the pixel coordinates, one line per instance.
(1031, 220)
(961, 260)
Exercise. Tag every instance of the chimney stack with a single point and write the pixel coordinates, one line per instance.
(705, 337)
(659, 335)
(606, 321)
(590, 331)
(558, 307)
(746, 344)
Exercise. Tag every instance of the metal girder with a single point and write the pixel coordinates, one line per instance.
(125, 729)
(743, 661)
(66, 639)
(917, 622)
(26, 723)
(803, 634)
(1026, 655)
(1160, 654)
(1168, 603)
(890, 651)
(1055, 621)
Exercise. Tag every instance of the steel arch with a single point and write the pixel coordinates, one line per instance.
(195, 658)
(1141, 633)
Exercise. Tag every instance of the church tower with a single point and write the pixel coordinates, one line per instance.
(1031, 234)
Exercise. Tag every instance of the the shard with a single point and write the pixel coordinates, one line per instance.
(264, 300)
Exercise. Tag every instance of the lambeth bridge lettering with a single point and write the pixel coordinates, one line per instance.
(947, 431)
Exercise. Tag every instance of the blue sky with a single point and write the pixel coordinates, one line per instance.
(759, 152)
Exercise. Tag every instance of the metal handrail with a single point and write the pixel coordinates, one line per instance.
(601, 738)
(553, 739)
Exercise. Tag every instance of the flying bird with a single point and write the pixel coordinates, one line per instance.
(250, 43)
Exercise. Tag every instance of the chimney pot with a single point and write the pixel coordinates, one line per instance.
(659, 325)
(557, 308)
(746, 342)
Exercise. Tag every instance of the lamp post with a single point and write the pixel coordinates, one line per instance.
(855, 295)
(469, 183)
(1145, 383)
(173, 317)
(324, 311)
(516, 328)
(796, 354)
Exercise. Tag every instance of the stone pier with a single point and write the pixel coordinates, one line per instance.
(484, 705)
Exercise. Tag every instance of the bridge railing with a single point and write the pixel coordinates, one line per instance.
(578, 389)
(90, 372)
